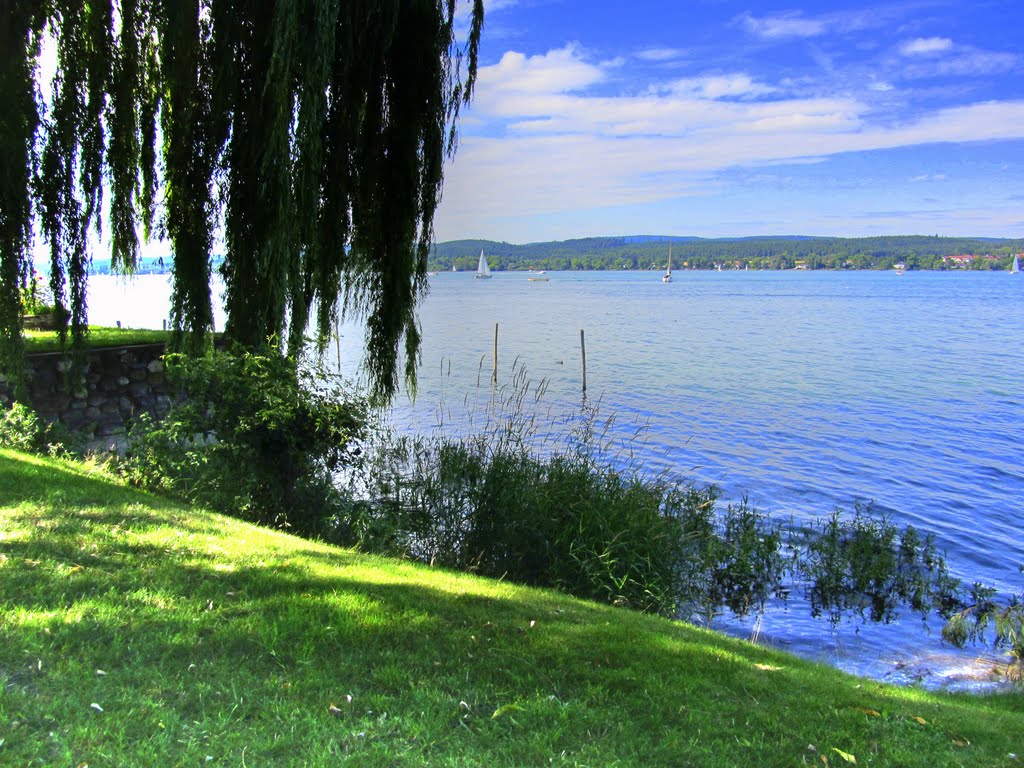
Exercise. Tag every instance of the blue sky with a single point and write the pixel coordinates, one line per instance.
(720, 118)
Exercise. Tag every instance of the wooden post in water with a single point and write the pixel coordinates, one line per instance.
(494, 373)
(337, 341)
(583, 354)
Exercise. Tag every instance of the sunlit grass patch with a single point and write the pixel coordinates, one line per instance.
(136, 631)
(99, 336)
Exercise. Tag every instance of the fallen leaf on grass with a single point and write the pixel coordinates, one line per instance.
(505, 709)
(845, 755)
(767, 667)
(870, 712)
(962, 742)
(335, 711)
(919, 720)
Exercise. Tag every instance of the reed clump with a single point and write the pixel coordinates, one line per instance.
(525, 497)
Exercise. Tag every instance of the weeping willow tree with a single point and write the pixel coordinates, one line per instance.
(310, 134)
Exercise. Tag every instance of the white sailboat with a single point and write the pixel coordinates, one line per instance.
(483, 272)
(1015, 267)
(667, 277)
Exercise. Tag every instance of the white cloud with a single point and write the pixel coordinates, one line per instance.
(974, 62)
(554, 146)
(557, 71)
(660, 54)
(782, 26)
(926, 46)
(718, 86)
(961, 61)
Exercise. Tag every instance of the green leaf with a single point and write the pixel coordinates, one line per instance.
(845, 755)
(505, 710)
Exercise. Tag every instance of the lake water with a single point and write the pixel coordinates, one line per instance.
(803, 391)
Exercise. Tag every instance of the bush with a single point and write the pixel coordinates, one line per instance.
(571, 516)
(22, 429)
(731, 561)
(253, 435)
(564, 521)
(868, 566)
(982, 617)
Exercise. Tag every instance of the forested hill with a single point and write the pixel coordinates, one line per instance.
(783, 252)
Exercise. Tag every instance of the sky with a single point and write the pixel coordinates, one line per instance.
(717, 118)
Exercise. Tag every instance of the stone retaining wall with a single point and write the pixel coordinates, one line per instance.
(118, 385)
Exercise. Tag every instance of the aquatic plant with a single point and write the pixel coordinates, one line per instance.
(868, 566)
(982, 617)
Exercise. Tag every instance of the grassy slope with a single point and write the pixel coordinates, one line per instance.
(206, 641)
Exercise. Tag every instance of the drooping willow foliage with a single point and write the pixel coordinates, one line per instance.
(310, 135)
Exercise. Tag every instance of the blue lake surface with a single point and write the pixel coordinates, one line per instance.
(803, 391)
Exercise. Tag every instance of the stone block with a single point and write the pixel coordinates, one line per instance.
(109, 427)
(74, 419)
(44, 377)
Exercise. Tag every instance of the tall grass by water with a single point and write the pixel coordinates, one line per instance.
(515, 494)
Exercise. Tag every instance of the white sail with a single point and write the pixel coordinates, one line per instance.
(482, 270)
(667, 277)
(1015, 267)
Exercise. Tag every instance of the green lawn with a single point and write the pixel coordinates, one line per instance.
(138, 632)
(99, 336)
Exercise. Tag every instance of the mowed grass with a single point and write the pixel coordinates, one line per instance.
(99, 336)
(138, 632)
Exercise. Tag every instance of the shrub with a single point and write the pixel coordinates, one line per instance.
(254, 435)
(563, 521)
(22, 429)
(982, 616)
(732, 560)
(867, 565)
(566, 513)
